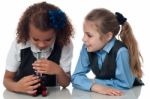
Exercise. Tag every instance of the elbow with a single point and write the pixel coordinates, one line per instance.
(125, 86)
(66, 85)
(4, 83)
(122, 85)
(129, 86)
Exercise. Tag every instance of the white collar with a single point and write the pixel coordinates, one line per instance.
(34, 49)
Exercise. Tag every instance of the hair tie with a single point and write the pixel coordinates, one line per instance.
(57, 19)
(121, 19)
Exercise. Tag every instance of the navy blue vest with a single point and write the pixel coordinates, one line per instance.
(26, 67)
(108, 68)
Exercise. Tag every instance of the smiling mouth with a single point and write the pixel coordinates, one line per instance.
(87, 45)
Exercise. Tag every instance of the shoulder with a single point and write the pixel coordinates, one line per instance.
(122, 50)
(19, 46)
(68, 47)
(122, 53)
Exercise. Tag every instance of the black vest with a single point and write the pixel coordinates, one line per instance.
(108, 68)
(26, 67)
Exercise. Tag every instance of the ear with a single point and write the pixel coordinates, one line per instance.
(109, 36)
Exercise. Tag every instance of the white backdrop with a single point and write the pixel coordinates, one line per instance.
(136, 12)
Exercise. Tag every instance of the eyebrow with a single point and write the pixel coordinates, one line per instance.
(89, 33)
(45, 39)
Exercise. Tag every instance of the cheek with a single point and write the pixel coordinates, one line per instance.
(98, 45)
(32, 41)
(49, 43)
(94, 42)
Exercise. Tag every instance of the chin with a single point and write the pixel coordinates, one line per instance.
(90, 50)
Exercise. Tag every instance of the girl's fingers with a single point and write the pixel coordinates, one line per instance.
(31, 92)
(40, 61)
(33, 82)
(39, 69)
(42, 72)
(28, 78)
(36, 64)
(116, 93)
(33, 87)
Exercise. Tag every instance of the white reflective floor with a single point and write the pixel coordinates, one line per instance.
(71, 93)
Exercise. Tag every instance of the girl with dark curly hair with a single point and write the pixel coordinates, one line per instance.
(43, 30)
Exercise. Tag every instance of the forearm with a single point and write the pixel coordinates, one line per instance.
(81, 81)
(10, 84)
(97, 88)
(119, 84)
(63, 78)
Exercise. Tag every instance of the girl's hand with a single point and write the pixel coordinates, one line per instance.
(45, 66)
(28, 84)
(106, 90)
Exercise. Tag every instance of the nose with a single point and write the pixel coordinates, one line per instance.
(84, 38)
(41, 45)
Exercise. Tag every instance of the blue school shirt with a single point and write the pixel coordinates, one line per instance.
(124, 76)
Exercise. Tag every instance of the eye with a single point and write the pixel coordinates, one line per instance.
(35, 39)
(89, 34)
(48, 39)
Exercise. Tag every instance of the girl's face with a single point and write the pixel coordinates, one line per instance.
(41, 39)
(92, 39)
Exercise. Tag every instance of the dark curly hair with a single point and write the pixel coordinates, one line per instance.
(37, 14)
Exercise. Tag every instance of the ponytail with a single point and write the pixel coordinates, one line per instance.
(135, 57)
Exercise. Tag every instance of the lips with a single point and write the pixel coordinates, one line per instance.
(87, 46)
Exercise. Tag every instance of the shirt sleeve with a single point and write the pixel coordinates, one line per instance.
(79, 78)
(124, 77)
(66, 57)
(13, 58)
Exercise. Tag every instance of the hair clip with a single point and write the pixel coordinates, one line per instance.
(57, 19)
(121, 19)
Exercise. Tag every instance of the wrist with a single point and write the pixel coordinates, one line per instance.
(59, 71)
(16, 88)
(93, 83)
